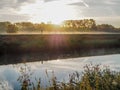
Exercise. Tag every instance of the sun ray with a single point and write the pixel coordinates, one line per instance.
(54, 12)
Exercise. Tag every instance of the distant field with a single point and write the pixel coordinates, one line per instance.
(53, 46)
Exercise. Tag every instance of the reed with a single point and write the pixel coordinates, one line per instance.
(93, 77)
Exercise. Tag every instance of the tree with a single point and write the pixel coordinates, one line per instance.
(3, 26)
(86, 24)
(105, 27)
(12, 28)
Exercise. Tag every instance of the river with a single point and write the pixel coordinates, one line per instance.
(61, 68)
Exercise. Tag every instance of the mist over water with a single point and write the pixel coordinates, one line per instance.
(57, 32)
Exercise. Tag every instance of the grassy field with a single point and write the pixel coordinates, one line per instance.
(54, 46)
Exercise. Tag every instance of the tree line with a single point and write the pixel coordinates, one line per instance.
(67, 25)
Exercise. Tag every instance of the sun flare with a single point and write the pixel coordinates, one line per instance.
(55, 12)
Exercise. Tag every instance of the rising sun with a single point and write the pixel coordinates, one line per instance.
(54, 12)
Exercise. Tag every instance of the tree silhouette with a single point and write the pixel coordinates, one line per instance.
(12, 28)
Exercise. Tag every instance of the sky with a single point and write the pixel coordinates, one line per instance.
(55, 11)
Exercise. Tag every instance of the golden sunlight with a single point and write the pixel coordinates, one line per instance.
(57, 13)
(54, 12)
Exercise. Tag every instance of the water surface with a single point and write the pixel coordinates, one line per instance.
(61, 67)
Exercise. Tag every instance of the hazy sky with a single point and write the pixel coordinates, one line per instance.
(103, 11)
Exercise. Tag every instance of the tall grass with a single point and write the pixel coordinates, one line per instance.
(93, 77)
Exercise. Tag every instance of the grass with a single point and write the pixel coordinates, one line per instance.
(94, 77)
(54, 46)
